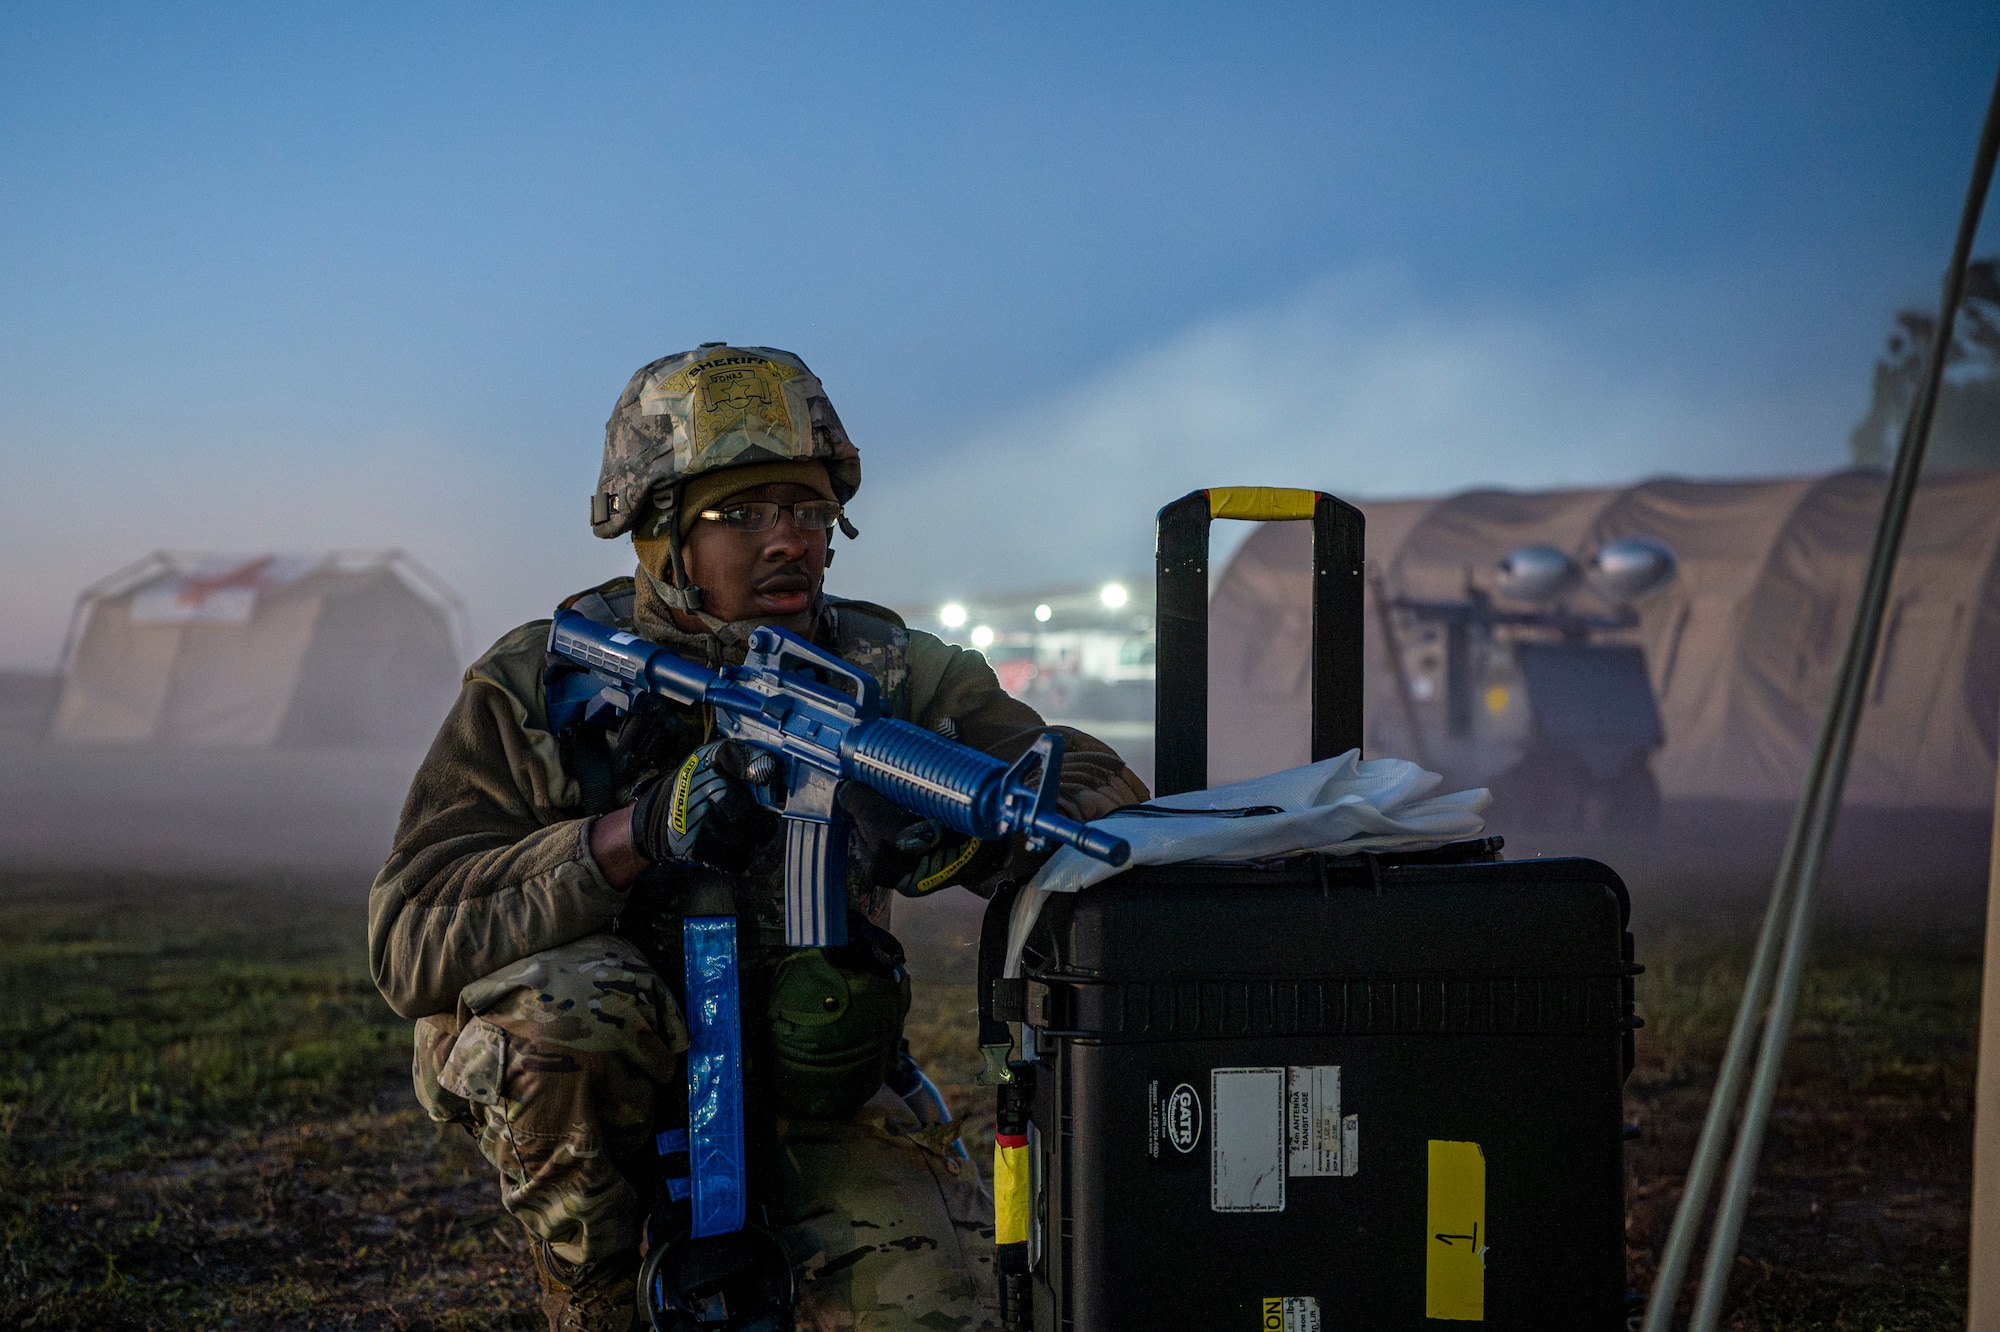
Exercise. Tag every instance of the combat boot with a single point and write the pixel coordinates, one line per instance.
(596, 1297)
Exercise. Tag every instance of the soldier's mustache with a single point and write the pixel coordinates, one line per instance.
(788, 578)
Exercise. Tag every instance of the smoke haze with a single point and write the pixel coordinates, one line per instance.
(1359, 385)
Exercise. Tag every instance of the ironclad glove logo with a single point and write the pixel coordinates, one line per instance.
(682, 780)
(706, 813)
(947, 875)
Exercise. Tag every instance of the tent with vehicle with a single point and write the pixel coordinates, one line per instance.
(1741, 648)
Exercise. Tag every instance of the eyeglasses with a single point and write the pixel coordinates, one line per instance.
(762, 515)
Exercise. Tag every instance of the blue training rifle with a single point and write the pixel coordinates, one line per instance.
(821, 719)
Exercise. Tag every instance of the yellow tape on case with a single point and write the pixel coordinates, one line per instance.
(1455, 1238)
(1261, 504)
(1010, 1191)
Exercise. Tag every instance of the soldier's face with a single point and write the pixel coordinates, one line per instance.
(758, 575)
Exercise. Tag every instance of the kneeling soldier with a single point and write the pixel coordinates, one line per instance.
(528, 916)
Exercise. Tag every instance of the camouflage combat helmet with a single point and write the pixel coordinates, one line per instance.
(703, 410)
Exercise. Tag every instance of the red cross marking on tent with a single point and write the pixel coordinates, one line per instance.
(195, 589)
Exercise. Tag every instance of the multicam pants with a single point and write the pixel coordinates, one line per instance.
(554, 1062)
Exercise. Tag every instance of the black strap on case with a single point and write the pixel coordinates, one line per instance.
(1180, 760)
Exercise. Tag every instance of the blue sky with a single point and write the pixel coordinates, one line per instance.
(338, 276)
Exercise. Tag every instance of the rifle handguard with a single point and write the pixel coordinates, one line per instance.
(973, 793)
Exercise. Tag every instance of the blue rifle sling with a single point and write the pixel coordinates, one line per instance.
(716, 1150)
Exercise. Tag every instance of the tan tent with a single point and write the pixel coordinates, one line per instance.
(221, 651)
(1742, 648)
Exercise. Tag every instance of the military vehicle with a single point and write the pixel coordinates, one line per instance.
(1546, 704)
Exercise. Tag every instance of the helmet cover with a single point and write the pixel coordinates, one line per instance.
(714, 407)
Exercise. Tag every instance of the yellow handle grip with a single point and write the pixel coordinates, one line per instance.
(1261, 504)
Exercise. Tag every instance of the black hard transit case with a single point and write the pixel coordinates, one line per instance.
(1360, 1093)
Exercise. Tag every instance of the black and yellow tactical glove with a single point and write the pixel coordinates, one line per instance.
(927, 856)
(705, 813)
(915, 856)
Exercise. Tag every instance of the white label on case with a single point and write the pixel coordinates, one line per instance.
(1350, 1145)
(1246, 1134)
(1312, 1120)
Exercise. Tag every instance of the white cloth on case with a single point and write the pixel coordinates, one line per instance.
(1343, 804)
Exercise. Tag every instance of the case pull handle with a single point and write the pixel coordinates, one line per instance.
(1181, 684)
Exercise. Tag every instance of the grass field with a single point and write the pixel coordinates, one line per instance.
(1861, 1213)
(205, 1121)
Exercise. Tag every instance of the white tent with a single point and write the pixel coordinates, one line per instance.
(350, 649)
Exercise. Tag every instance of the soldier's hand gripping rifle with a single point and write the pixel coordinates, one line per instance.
(820, 717)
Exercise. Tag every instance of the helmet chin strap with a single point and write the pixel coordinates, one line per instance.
(683, 594)
(680, 599)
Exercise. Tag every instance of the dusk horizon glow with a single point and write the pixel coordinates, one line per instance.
(294, 279)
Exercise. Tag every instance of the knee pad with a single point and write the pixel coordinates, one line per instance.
(836, 1026)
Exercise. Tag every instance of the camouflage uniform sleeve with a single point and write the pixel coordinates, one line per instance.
(950, 682)
(489, 864)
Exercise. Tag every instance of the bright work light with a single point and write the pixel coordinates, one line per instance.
(982, 637)
(1042, 612)
(1113, 595)
(953, 615)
